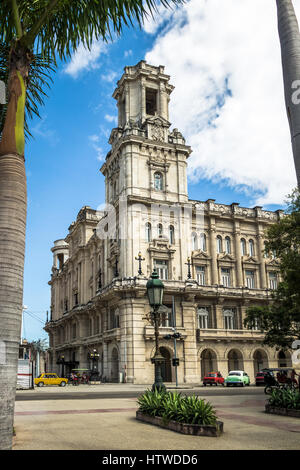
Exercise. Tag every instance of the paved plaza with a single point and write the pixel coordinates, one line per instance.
(95, 422)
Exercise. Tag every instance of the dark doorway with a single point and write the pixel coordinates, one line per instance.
(166, 370)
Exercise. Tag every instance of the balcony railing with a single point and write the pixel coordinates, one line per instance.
(219, 334)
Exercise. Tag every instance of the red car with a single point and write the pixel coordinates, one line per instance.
(260, 378)
(213, 378)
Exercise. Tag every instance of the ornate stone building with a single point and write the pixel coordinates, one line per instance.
(209, 255)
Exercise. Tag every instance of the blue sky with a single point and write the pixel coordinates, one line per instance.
(64, 158)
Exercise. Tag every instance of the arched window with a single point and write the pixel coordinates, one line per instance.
(172, 234)
(229, 319)
(158, 181)
(243, 247)
(202, 314)
(227, 245)
(148, 232)
(203, 242)
(194, 241)
(251, 247)
(219, 244)
(159, 230)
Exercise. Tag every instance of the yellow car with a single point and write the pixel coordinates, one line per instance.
(50, 379)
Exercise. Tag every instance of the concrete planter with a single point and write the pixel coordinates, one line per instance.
(282, 411)
(190, 429)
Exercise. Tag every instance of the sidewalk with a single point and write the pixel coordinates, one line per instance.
(110, 424)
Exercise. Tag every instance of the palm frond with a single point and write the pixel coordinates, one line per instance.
(39, 79)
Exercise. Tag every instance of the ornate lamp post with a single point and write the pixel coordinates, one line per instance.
(95, 357)
(155, 289)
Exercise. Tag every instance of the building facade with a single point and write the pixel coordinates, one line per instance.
(210, 257)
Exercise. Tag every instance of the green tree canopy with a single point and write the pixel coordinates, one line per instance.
(280, 320)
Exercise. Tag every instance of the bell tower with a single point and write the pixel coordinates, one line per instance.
(146, 159)
(143, 93)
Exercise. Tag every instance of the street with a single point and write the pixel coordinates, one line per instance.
(124, 391)
(102, 417)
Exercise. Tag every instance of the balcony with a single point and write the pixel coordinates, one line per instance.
(163, 331)
(217, 335)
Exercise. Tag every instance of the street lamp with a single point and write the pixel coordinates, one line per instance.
(155, 290)
(95, 357)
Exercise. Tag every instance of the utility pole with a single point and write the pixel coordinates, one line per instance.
(174, 329)
(175, 336)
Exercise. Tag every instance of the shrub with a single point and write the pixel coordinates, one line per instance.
(175, 407)
(285, 398)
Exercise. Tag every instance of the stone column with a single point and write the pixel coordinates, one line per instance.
(262, 264)
(213, 253)
(106, 372)
(219, 315)
(143, 101)
(136, 351)
(53, 365)
(239, 267)
(191, 372)
(82, 353)
(127, 104)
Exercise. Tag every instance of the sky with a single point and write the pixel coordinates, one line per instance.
(224, 61)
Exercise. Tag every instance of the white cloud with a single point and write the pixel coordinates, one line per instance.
(109, 76)
(84, 59)
(95, 141)
(224, 60)
(42, 130)
(110, 118)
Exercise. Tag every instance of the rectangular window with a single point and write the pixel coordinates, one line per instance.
(116, 319)
(151, 101)
(203, 321)
(200, 275)
(225, 277)
(273, 280)
(250, 283)
(166, 317)
(161, 267)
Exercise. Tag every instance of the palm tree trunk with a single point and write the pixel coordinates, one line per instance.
(12, 249)
(290, 53)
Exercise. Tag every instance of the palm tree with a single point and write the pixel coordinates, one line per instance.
(290, 53)
(37, 348)
(34, 35)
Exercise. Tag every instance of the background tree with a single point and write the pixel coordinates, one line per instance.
(38, 348)
(34, 36)
(280, 321)
(290, 52)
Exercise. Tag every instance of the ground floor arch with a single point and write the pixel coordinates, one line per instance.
(235, 360)
(284, 359)
(115, 365)
(260, 360)
(166, 369)
(208, 361)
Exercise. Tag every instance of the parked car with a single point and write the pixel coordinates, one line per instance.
(237, 377)
(260, 378)
(213, 378)
(50, 379)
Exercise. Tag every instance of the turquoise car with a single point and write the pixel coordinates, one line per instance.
(237, 377)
